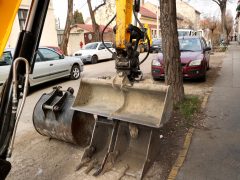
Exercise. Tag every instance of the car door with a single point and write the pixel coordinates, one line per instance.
(109, 54)
(58, 66)
(206, 53)
(102, 52)
(41, 72)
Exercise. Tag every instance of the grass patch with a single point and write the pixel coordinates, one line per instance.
(189, 107)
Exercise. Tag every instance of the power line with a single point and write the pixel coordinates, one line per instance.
(82, 6)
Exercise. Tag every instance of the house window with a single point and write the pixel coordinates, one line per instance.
(152, 33)
(22, 15)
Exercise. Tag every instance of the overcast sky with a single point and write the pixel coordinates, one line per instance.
(206, 7)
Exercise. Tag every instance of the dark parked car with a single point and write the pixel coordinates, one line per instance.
(156, 45)
(195, 56)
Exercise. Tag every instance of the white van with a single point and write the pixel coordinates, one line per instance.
(186, 32)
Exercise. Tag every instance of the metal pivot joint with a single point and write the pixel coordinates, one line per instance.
(127, 60)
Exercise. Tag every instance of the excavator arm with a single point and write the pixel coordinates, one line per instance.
(24, 54)
(8, 10)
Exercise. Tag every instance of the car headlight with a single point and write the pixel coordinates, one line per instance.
(195, 62)
(155, 62)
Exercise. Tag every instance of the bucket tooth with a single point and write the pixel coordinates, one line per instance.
(120, 149)
(110, 161)
(91, 165)
(101, 145)
(83, 163)
(136, 152)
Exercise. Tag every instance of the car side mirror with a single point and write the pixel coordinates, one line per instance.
(61, 56)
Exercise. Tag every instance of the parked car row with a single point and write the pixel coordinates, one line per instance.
(49, 65)
(195, 57)
(52, 64)
(95, 52)
(156, 46)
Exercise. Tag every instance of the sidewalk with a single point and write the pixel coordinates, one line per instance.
(214, 153)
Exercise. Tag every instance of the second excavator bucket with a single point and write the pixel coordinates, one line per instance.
(128, 118)
(53, 117)
(143, 103)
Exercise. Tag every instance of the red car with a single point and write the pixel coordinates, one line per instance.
(57, 49)
(195, 56)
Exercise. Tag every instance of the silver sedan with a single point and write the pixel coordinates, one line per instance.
(49, 66)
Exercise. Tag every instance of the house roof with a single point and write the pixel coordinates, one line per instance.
(147, 13)
(88, 27)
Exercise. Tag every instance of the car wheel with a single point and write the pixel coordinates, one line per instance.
(208, 66)
(203, 78)
(155, 79)
(94, 59)
(75, 72)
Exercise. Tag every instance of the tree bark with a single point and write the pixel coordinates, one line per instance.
(223, 4)
(223, 21)
(95, 26)
(171, 53)
(64, 43)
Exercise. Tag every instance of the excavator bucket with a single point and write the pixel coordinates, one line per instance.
(145, 104)
(53, 117)
(125, 133)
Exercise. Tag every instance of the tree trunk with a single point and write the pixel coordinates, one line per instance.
(171, 53)
(64, 43)
(95, 26)
(223, 21)
(212, 30)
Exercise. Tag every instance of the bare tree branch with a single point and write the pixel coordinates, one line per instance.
(216, 1)
(67, 29)
(100, 5)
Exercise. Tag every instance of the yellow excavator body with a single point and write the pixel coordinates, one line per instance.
(143, 44)
(8, 11)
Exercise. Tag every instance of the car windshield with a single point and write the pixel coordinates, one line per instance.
(91, 46)
(192, 44)
(183, 33)
(157, 42)
(6, 59)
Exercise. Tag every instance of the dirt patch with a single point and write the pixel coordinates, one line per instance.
(173, 135)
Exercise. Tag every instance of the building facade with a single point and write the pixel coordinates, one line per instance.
(188, 13)
(84, 33)
(49, 34)
(187, 16)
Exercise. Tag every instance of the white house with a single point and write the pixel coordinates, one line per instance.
(49, 34)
